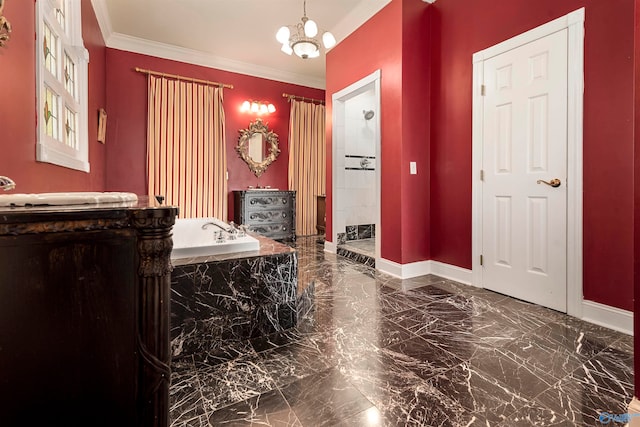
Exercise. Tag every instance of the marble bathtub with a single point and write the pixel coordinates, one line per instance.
(224, 297)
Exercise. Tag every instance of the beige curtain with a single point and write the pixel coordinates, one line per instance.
(306, 161)
(186, 156)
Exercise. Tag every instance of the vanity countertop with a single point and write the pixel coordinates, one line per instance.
(105, 211)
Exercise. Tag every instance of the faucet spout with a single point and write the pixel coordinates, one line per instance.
(7, 183)
(207, 224)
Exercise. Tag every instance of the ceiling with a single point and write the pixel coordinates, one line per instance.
(232, 35)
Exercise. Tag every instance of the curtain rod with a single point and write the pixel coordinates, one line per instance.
(187, 79)
(302, 98)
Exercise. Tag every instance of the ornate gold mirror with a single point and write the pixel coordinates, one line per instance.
(5, 26)
(258, 147)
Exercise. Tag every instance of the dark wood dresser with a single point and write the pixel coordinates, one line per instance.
(271, 213)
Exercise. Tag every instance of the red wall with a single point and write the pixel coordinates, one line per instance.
(18, 107)
(127, 124)
(396, 41)
(636, 211)
(461, 28)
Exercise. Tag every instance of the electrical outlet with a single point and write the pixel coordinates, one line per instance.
(413, 169)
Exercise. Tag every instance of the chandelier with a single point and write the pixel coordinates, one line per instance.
(301, 38)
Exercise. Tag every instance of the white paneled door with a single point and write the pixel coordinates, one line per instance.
(524, 158)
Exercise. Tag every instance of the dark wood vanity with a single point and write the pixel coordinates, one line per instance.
(84, 315)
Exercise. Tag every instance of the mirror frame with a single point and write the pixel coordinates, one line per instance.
(268, 137)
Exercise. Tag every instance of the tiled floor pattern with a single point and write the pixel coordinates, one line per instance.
(379, 351)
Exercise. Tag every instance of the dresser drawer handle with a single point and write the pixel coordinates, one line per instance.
(284, 201)
(284, 214)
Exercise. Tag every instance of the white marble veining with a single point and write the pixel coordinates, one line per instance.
(372, 350)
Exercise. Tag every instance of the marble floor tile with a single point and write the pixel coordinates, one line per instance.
(270, 409)
(491, 327)
(543, 355)
(522, 379)
(582, 338)
(293, 362)
(424, 406)
(325, 399)
(582, 403)
(424, 358)
(231, 382)
(608, 370)
(458, 341)
(524, 315)
(374, 350)
(533, 414)
(455, 310)
(414, 320)
(478, 392)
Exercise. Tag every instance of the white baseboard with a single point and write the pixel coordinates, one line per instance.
(607, 316)
(452, 272)
(421, 268)
(330, 247)
(403, 271)
(593, 312)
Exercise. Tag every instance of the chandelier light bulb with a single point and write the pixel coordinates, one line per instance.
(283, 35)
(310, 28)
(286, 49)
(263, 109)
(271, 108)
(328, 40)
(255, 107)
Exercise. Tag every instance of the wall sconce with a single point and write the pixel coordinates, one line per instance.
(257, 107)
(5, 26)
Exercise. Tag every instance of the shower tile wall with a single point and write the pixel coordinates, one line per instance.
(360, 185)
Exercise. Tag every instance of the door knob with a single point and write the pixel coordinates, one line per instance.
(553, 183)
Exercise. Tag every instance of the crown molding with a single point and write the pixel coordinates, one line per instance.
(102, 15)
(196, 57)
(358, 16)
(190, 56)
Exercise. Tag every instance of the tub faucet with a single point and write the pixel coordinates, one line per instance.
(207, 224)
(219, 236)
(236, 231)
(7, 183)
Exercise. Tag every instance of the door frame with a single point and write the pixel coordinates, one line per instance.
(338, 140)
(574, 23)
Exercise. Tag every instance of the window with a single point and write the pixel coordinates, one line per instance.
(62, 80)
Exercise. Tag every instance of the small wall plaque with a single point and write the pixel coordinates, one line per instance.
(102, 125)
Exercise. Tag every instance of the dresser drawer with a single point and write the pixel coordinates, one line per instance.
(268, 202)
(273, 231)
(267, 217)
